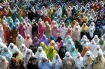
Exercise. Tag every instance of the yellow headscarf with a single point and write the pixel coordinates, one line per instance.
(85, 27)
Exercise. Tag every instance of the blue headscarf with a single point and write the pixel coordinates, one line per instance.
(7, 54)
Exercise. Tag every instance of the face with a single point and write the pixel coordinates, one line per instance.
(11, 47)
(40, 50)
(88, 55)
(97, 49)
(28, 37)
(56, 56)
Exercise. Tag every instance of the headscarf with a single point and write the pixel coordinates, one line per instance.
(28, 41)
(84, 28)
(67, 38)
(78, 61)
(62, 52)
(19, 40)
(44, 39)
(60, 44)
(51, 53)
(41, 54)
(67, 56)
(54, 61)
(96, 39)
(3, 63)
(69, 44)
(96, 50)
(91, 56)
(69, 32)
(73, 51)
(84, 38)
(86, 48)
(12, 48)
(92, 45)
(23, 49)
(36, 42)
(45, 48)
(52, 43)
(7, 54)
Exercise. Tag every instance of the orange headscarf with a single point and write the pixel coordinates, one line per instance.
(86, 48)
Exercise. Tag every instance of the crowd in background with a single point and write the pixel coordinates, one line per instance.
(52, 34)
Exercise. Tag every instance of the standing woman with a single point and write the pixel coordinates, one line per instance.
(68, 61)
(56, 62)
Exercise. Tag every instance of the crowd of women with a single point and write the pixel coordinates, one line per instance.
(52, 34)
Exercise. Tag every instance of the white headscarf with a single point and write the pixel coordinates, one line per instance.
(78, 61)
(2, 46)
(41, 54)
(103, 37)
(88, 53)
(96, 39)
(23, 49)
(67, 56)
(96, 51)
(91, 32)
(0, 40)
(92, 25)
(85, 43)
(19, 40)
(84, 38)
(13, 50)
(92, 45)
(55, 61)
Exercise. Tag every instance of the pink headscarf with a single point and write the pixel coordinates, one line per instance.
(41, 30)
(55, 31)
(52, 43)
(60, 44)
(28, 41)
(69, 32)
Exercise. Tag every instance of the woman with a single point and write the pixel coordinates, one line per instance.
(60, 44)
(44, 39)
(33, 63)
(7, 54)
(96, 39)
(40, 53)
(69, 44)
(52, 43)
(36, 42)
(45, 48)
(62, 52)
(14, 64)
(68, 61)
(67, 38)
(51, 53)
(55, 31)
(28, 41)
(79, 61)
(88, 60)
(28, 30)
(21, 30)
(84, 29)
(69, 32)
(56, 62)
(86, 48)
(3, 63)
(63, 30)
(48, 30)
(41, 30)
(99, 62)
